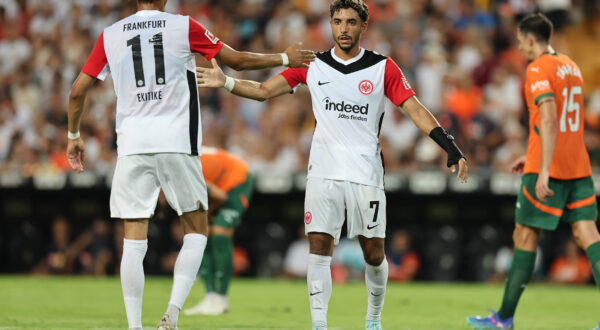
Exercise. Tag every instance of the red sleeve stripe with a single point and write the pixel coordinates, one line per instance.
(203, 41)
(397, 88)
(295, 76)
(97, 61)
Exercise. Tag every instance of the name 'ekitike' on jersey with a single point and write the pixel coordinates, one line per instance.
(145, 25)
(150, 96)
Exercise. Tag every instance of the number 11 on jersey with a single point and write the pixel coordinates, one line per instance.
(159, 59)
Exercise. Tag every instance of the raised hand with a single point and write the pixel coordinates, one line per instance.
(76, 154)
(463, 170)
(298, 56)
(210, 78)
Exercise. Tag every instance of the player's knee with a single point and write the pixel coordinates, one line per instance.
(585, 233)
(374, 257)
(320, 244)
(525, 238)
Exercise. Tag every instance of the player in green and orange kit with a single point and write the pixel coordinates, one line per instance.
(556, 184)
(230, 186)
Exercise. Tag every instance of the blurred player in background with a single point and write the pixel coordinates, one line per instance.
(348, 86)
(151, 56)
(556, 184)
(230, 186)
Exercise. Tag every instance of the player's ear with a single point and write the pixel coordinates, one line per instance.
(530, 39)
(363, 26)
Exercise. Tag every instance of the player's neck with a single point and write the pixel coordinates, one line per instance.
(347, 55)
(543, 49)
(149, 6)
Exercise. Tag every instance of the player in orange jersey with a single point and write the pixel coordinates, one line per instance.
(556, 184)
(229, 184)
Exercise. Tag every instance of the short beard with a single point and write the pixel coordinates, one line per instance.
(346, 49)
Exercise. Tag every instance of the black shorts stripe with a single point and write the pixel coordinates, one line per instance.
(194, 112)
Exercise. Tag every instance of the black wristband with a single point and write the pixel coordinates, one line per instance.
(446, 141)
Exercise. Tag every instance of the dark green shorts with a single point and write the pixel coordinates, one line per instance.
(573, 200)
(238, 199)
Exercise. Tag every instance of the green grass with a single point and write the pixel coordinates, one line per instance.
(95, 303)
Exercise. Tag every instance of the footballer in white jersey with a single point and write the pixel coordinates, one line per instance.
(151, 57)
(348, 86)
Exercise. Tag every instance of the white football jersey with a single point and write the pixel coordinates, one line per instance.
(150, 55)
(348, 103)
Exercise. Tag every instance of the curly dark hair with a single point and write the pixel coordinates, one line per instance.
(358, 5)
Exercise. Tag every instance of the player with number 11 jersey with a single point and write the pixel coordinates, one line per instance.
(151, 57)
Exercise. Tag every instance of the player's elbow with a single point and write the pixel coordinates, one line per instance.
(549, 124)
(239, 62)
(264, 94)
(238, 65)
(76, 93)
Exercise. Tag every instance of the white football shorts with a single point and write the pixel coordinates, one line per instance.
(327, 201)
(138, 179)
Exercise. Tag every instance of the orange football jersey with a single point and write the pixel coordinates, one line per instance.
(222, 168)
(557, 75)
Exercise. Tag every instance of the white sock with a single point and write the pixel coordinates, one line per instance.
(376, 279)
(186, 269)
(318, 279)
(132, 279)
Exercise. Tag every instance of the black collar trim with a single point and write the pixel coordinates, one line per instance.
(368, 59)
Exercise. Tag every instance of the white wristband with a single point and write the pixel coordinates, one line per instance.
(72, 136)
(229, 83)
(285, 60)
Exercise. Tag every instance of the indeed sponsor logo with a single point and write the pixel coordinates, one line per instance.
(345, 107)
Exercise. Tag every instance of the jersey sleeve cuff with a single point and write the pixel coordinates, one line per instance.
(408, 96)
(101, 75)
(213, 52)
(290, 82)
(537, 99)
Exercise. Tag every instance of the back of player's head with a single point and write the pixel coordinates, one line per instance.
(538, 25)
(358, 5)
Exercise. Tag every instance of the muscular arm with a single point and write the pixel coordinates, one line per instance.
(215, 78)
(548, 129)
(79, 91)
(420, 115)
(76, 147)
(250, 61)
(261, 91)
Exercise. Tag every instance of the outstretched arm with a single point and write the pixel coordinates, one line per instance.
(75, 146)
(215, 78)
(204, 42)
(293, 56)
(430, 126)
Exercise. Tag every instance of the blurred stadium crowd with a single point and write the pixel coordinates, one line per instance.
(459, 55)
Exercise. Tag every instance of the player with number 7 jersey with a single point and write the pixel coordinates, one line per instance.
(151, 57)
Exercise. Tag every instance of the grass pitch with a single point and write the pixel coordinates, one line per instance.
(96, 303)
